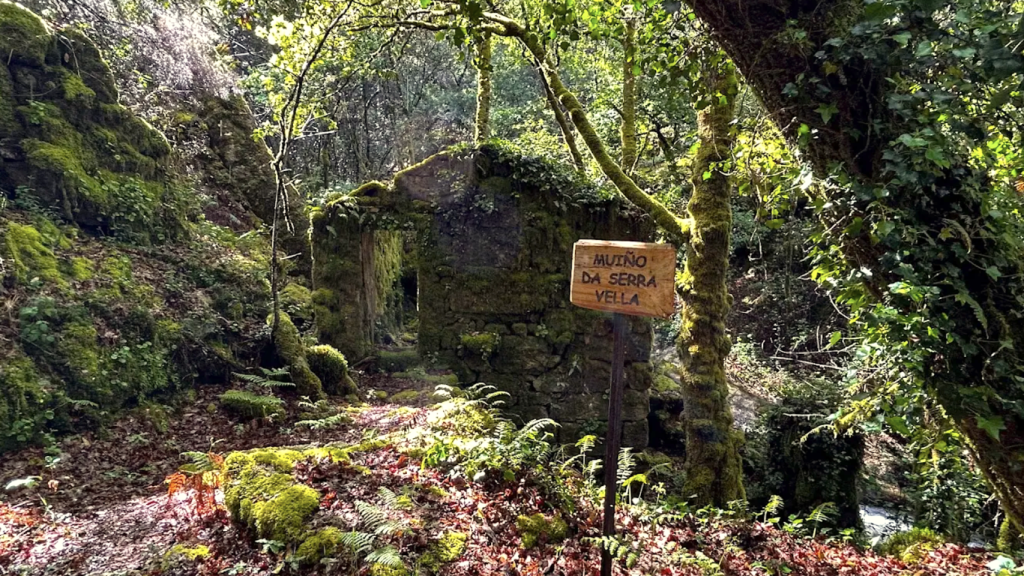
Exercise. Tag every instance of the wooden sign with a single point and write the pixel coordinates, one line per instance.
(633, 278)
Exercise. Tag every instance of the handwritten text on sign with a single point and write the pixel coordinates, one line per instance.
(633, 278)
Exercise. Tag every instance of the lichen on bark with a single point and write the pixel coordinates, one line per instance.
(713, 467)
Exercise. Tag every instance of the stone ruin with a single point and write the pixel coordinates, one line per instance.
(477, 245)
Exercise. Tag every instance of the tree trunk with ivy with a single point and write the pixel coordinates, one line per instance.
(482, 61)
(903, 222)
(627, 129)
(713, 469)
(713, 465)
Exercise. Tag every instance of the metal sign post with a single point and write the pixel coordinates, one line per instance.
(627, 278)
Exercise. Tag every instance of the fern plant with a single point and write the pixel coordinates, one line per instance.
(772, 507)
(200, 478)
(368, 541)
(617, 546)
(268, 378)
(469, 432)
(822, 514)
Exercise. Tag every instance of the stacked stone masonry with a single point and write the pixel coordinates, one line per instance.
(491, 236)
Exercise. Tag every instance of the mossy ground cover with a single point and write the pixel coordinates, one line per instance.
(297, 499)
(98, 326)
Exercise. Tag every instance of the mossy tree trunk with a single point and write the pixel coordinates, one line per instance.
(482, 62)
(713, 467)
(627, 130)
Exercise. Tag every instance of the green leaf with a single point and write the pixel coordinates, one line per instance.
(902, 38)
(993, 425)
(898, 424)
(993, 272)
(854, 228)
(636, 70)
(834, 339)
(911, 141)
(964, 52)
(884, 228)
(827, 112)
(774, 224)
(923, 49)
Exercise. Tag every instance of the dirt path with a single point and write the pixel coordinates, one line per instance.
(101, 506)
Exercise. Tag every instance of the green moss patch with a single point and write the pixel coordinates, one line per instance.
(537, 528)
(448, 548)
(251, 406)
(31, 256)
(323, 543)
(261, 493)
(23, 35)
(331, 367)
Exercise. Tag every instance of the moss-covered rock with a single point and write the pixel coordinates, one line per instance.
(30, 255)
(283, 517)
(24, 402)
(331, 367)
(448, 548)
(24, 38)
(76, 149)
(323, 543)
(288, 347)
(251, 406)
(912, 545)
(297, 301)
(533, 528)
(405, 397)
(784, 457)
(262, 494)
(397, 360)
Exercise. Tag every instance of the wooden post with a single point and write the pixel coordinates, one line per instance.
(626, 278)
(614, 436)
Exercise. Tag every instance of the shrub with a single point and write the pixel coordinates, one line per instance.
(250, 406)
(911, 545)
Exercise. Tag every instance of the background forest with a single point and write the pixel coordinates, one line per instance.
(181, 391)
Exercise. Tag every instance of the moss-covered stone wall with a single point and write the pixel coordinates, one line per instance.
(64, 136)
(357, 268)
(494, 235)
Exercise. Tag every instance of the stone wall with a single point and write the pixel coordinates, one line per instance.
(357, 297)
(494, 235)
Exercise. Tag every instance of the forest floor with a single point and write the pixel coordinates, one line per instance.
(103, 508)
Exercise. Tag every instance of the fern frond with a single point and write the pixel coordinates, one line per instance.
(391, 528)
(387, 497)
(387, 556)
(325, 423)
(626, 464)
(371, 516)
(773, 506)
(587, 443)
(274, 373)
(534, 426)
(823, 513)
(357, 542)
